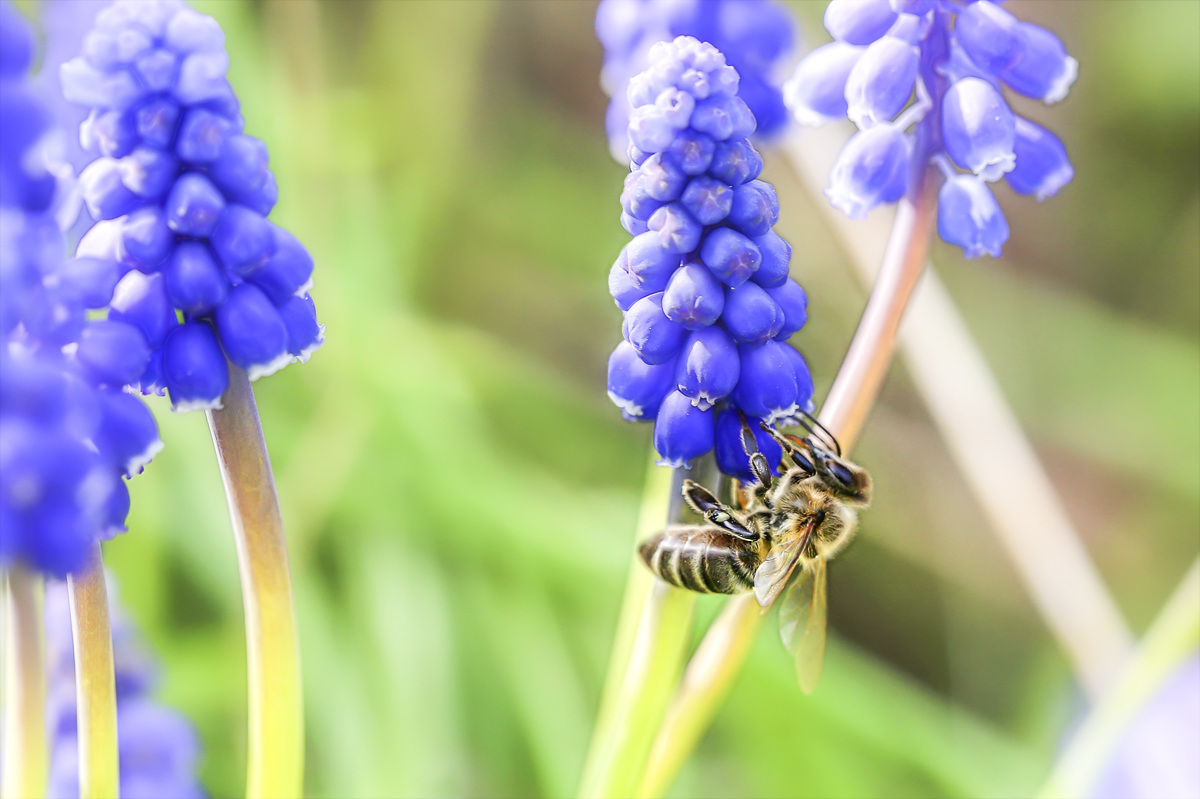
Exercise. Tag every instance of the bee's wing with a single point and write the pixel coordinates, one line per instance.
(773, 574)
(794, 607)
(802, 620)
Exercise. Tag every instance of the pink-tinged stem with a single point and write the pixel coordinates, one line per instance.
(24, 756)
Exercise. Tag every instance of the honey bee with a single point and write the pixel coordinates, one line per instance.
(788, 524)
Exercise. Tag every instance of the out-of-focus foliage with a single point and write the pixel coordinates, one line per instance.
(460, 495)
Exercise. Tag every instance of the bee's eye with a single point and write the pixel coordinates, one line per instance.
(842, 474)
(803, 463)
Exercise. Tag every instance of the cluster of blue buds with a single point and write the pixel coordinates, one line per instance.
(183, 252)
(157, 747)
(704, 283)
(755, 36)
(68, 433)
(957, 57)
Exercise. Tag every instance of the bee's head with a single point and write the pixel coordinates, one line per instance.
(846, 479)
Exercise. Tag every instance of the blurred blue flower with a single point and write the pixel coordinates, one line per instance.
(157, 747)
(182, 195)
(756, 36)
(704, 283)
(68, 434)
(938, 67)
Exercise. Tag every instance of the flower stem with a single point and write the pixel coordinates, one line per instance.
(276, 757)
(652, 637)
(719, 658)
(95, 681)
(24, 757)
(1172, 637)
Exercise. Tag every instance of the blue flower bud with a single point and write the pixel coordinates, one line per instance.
(735, 162)
(914, 7)
(261, 199)
(634, 227)
(193, 280)
(287, 272)
(112, 353)
(194, 206)
(106, 196)
(989, 36)
(92, 278)
(655, 337)
(731, 449)
(694, 297)
(111, 133)
(978, 128)
(243, 240)
(55, 318)
(858, 21)
(708, 367)
(127, 435)
(910, 28)
(194, 368)
(682, 431)
(707, 200)
(691, 151)
(84, 84)
(636, 200)
(157, 69)
(793, 302)
(304, 334)
(155, 122)
(776, 260)
(636, 387)
(148, 172)
(750, 315)
(732, 257)
(871, 169)
(141, 301)
(146, 240)
(1044, 71)
(882, 81)
(767, 386)
(625, 292)
(1042, 164)
(661, 179)
(677, 231)
(242, 165)
(969, 216)
(252, 332)
(650, 130)
(755, 208)
(202, 77)
(816, 92)
(804, 384)
(201, 136)
(190, 31)
(723, 116)
(648, 263)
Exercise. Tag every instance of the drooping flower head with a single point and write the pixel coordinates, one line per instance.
(182, 195)
(956, 61)
(704, 283)
(157, 747)
(754, 35)
(68, 434)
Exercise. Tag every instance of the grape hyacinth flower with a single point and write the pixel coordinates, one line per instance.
(69, 433)
(158, 748)
(941, 66)
(183, 251)
(755, 36)
(704, 283)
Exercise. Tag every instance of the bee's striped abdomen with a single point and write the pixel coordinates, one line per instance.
(703, 559)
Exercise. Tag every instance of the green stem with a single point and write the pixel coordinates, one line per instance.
(95, 681)
(276, 757)
(1172, 638)
(24, 756)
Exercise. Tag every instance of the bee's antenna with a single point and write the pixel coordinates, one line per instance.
(829, 437)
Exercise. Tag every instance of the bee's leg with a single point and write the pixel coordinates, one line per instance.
(792, 447)
(758, 463)
(714, 512)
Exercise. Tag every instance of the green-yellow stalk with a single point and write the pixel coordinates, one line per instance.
(95, 681)
(24, 755)
(276, 756)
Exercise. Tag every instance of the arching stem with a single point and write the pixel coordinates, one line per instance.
(95, 681)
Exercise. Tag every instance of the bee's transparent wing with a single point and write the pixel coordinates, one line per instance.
(773, 574)
(802, 620)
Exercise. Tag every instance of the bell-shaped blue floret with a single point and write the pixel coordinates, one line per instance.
(193, 279)
(127, 435)
(56, 317)
(750, 315)
(1042, 164)
(708, 367)
(112, 353)
(917, 8)
(636, 387)
(157, 69)
(735, 162)
(723, 116)
(141, 300)
(804, 384)
(682, 431)
(989, 35)
(625, 292)
(116, 511)
(148, 172)
(304, 334)
(154, 121)
(636, 200)
(151, 381)
(650, 130)
(103, 192)
(243, 240)
(190, 31)
(661, 179)
(708, 200)
(882, 81)
(287, 272)
(201, 136)
(241, 166)
(252, 332)
(755, 208)
(678, 232)
(202, 78)
(776, 260)
(730, 444)
(691, 151)
(93, 279)
(732, 257)
(969, 216)
(655, 337)
(767, 386)
(816, 92)
(194, 368)
(694, 297)
(858, 21)
(1044, 70)
(793, 302)
(194, 205)
(872, 168)
(978, 128)
(146, 240)
(649, 264)
(263, 198)
(82, 83)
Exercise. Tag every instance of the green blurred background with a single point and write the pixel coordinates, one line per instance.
(460, 495)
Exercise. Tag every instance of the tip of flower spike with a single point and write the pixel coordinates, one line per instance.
(255, 371)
